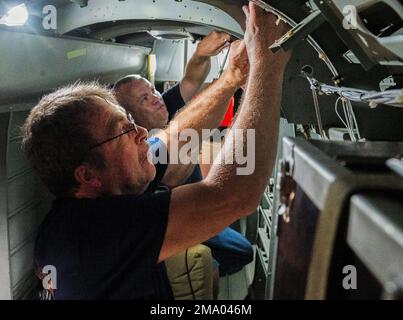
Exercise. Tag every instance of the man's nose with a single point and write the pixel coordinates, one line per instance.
(141, 135)
(156, 98)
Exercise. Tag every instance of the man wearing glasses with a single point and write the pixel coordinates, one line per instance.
(105, 235)
(230, 249)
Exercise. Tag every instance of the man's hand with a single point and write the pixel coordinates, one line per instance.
(213, 44)
(199, 65)
(261, 32)
(260, 112)
(238, 67)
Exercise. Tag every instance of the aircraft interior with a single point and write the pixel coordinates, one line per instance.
(330, 222)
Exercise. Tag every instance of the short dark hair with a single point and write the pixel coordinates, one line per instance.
(125, 80)
(122, 96)
(56, 136)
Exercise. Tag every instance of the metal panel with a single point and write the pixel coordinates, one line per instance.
(267, 224)
(217, 61)
(328, 173)
(172, 55)
(16, 161)
(21, 264)
(312, 169)
(233, 8)
(21, 191)
(170, 60)
(31, 64)
(286, 129)
(363, 43)
(71, 16)
(22, 225)
(375, 233)
(5, 292)
(21, 211)
(316, 170)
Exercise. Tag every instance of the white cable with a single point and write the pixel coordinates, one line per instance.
(359, 95)
(373, 98)
(355, 124)
(318, 115)
(337, 112)
(350, 121)
(343, 103)
(389, 97)
(223, 64)
(348, 117)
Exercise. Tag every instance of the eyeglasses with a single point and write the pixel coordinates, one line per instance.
(133, 127)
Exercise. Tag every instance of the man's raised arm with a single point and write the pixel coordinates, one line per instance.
(205, 111)
(198, 211)
(199, 65)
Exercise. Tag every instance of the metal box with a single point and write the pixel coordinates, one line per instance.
(318, 180)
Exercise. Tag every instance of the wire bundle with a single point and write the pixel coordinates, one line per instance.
(346, 95)
(349, 120)
(374, 98)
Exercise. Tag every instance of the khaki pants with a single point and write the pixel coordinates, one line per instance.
(200, 266)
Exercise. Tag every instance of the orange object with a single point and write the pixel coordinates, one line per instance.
(229, 115)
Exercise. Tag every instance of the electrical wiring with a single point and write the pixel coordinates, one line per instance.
(346, 95)
(318, 115)
(338, 114)
(373, 98)
(322, 55)
(354, 120)
(223, 64)
(347, 121)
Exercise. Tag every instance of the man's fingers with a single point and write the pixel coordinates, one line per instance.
(222, 39)
(225, 45)
(252, 10)
(256, 11)
(246, 11)
(227, 37)
(222, 35)
(237, 45)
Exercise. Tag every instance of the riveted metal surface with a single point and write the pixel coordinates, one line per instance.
(73, 16)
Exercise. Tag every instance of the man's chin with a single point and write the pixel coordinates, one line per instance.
(153, 172)
(149, 179)
(150, 172)
(163, 113)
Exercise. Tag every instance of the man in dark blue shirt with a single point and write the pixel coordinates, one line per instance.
(105, 234)
(137, 95)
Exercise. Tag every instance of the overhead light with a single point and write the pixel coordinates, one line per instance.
(16, 16)
(171, 35)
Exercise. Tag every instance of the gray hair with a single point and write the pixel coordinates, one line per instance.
(57, 134)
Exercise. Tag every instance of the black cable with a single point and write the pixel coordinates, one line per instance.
(188, 275)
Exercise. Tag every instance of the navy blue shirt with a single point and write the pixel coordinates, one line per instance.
(107, 248)
(173, 100)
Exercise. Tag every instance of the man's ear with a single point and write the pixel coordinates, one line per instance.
(86, 176)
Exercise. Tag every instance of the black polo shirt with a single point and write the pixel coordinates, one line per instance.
(107, 248)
